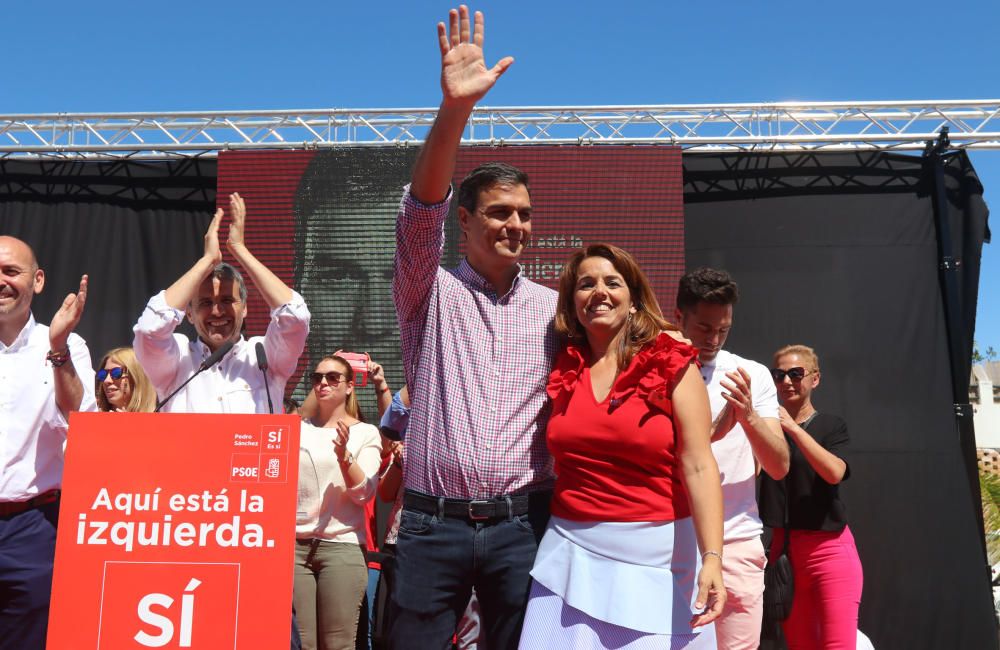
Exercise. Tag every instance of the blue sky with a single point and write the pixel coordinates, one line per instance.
(224, 55)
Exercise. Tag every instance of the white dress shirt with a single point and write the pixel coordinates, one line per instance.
(235, 384)
(32, 429)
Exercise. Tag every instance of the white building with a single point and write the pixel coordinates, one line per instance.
(984, 393)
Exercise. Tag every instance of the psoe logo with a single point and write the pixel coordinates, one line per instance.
(168, 605)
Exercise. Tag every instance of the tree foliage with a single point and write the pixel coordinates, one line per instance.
(980, 355)
(989, 487)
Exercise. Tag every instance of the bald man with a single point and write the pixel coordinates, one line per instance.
(45, 372)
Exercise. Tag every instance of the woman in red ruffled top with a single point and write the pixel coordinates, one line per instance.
(631, 556)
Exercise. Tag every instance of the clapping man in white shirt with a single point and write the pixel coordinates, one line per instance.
(213, 297)
(46, 373)
(745, 435)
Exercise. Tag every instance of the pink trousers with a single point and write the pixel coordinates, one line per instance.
(828, 580)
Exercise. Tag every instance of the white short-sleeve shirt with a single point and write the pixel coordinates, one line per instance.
(733, 452)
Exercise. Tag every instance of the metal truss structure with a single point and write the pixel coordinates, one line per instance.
(784, 127)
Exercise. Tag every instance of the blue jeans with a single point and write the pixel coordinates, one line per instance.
(368, 611)
(438, 562)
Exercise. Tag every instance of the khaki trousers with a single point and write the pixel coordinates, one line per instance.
(330, 581)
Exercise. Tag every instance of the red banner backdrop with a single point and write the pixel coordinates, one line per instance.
(325, 221)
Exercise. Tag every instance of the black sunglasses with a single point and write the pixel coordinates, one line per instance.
(795, 374)
(333, 378)
(116, 373)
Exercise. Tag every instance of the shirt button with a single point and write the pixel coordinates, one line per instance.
(489, 446)
(220, 399)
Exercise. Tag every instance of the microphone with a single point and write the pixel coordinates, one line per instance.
(216, 356)
(212, 359)
(262, 364)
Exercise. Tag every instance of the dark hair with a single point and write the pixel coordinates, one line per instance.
(486, 176)
(706, 285)
(643, 326)
(226, 271)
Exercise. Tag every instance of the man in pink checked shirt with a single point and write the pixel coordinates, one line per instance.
(477, 346)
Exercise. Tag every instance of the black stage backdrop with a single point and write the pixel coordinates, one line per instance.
(839, 251)
(133, 227)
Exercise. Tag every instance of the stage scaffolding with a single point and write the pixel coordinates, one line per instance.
(782, 126)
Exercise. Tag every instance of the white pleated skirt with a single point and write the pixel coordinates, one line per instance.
(621, 585)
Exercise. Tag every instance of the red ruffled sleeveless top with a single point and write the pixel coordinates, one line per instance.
(616, 460)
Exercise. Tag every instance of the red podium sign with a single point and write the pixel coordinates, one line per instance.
(176, 531)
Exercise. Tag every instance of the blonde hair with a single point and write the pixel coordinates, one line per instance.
(143, 397)
(803, 351)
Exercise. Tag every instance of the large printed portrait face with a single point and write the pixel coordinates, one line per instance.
(345, 212)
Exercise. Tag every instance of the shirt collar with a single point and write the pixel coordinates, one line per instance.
(471, 276)
(205, 352)
(22, 337)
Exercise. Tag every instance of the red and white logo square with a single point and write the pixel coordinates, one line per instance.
(275, 439)
(168, 605)
(273, 468)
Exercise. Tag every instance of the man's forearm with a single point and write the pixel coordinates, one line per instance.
(275, 292)
(723, 424)
(181, 292)
(435, 166)
(769, 445)
(68, 387)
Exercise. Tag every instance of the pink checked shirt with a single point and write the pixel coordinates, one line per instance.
(476, 364)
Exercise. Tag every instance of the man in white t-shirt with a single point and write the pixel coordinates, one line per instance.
(746, 435)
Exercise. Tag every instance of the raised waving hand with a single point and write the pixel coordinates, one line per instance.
(465, 78)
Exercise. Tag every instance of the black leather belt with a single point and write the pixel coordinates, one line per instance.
(470, 510)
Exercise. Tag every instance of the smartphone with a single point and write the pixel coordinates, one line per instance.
(359, 364)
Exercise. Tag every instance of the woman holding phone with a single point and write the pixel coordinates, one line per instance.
(339, 458)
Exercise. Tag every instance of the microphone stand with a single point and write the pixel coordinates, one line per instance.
(262, 364)
(213, 359)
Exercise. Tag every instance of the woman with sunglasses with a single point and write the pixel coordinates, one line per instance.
(806, 505)
(122, 385)
(339, 458)
(631, 557)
